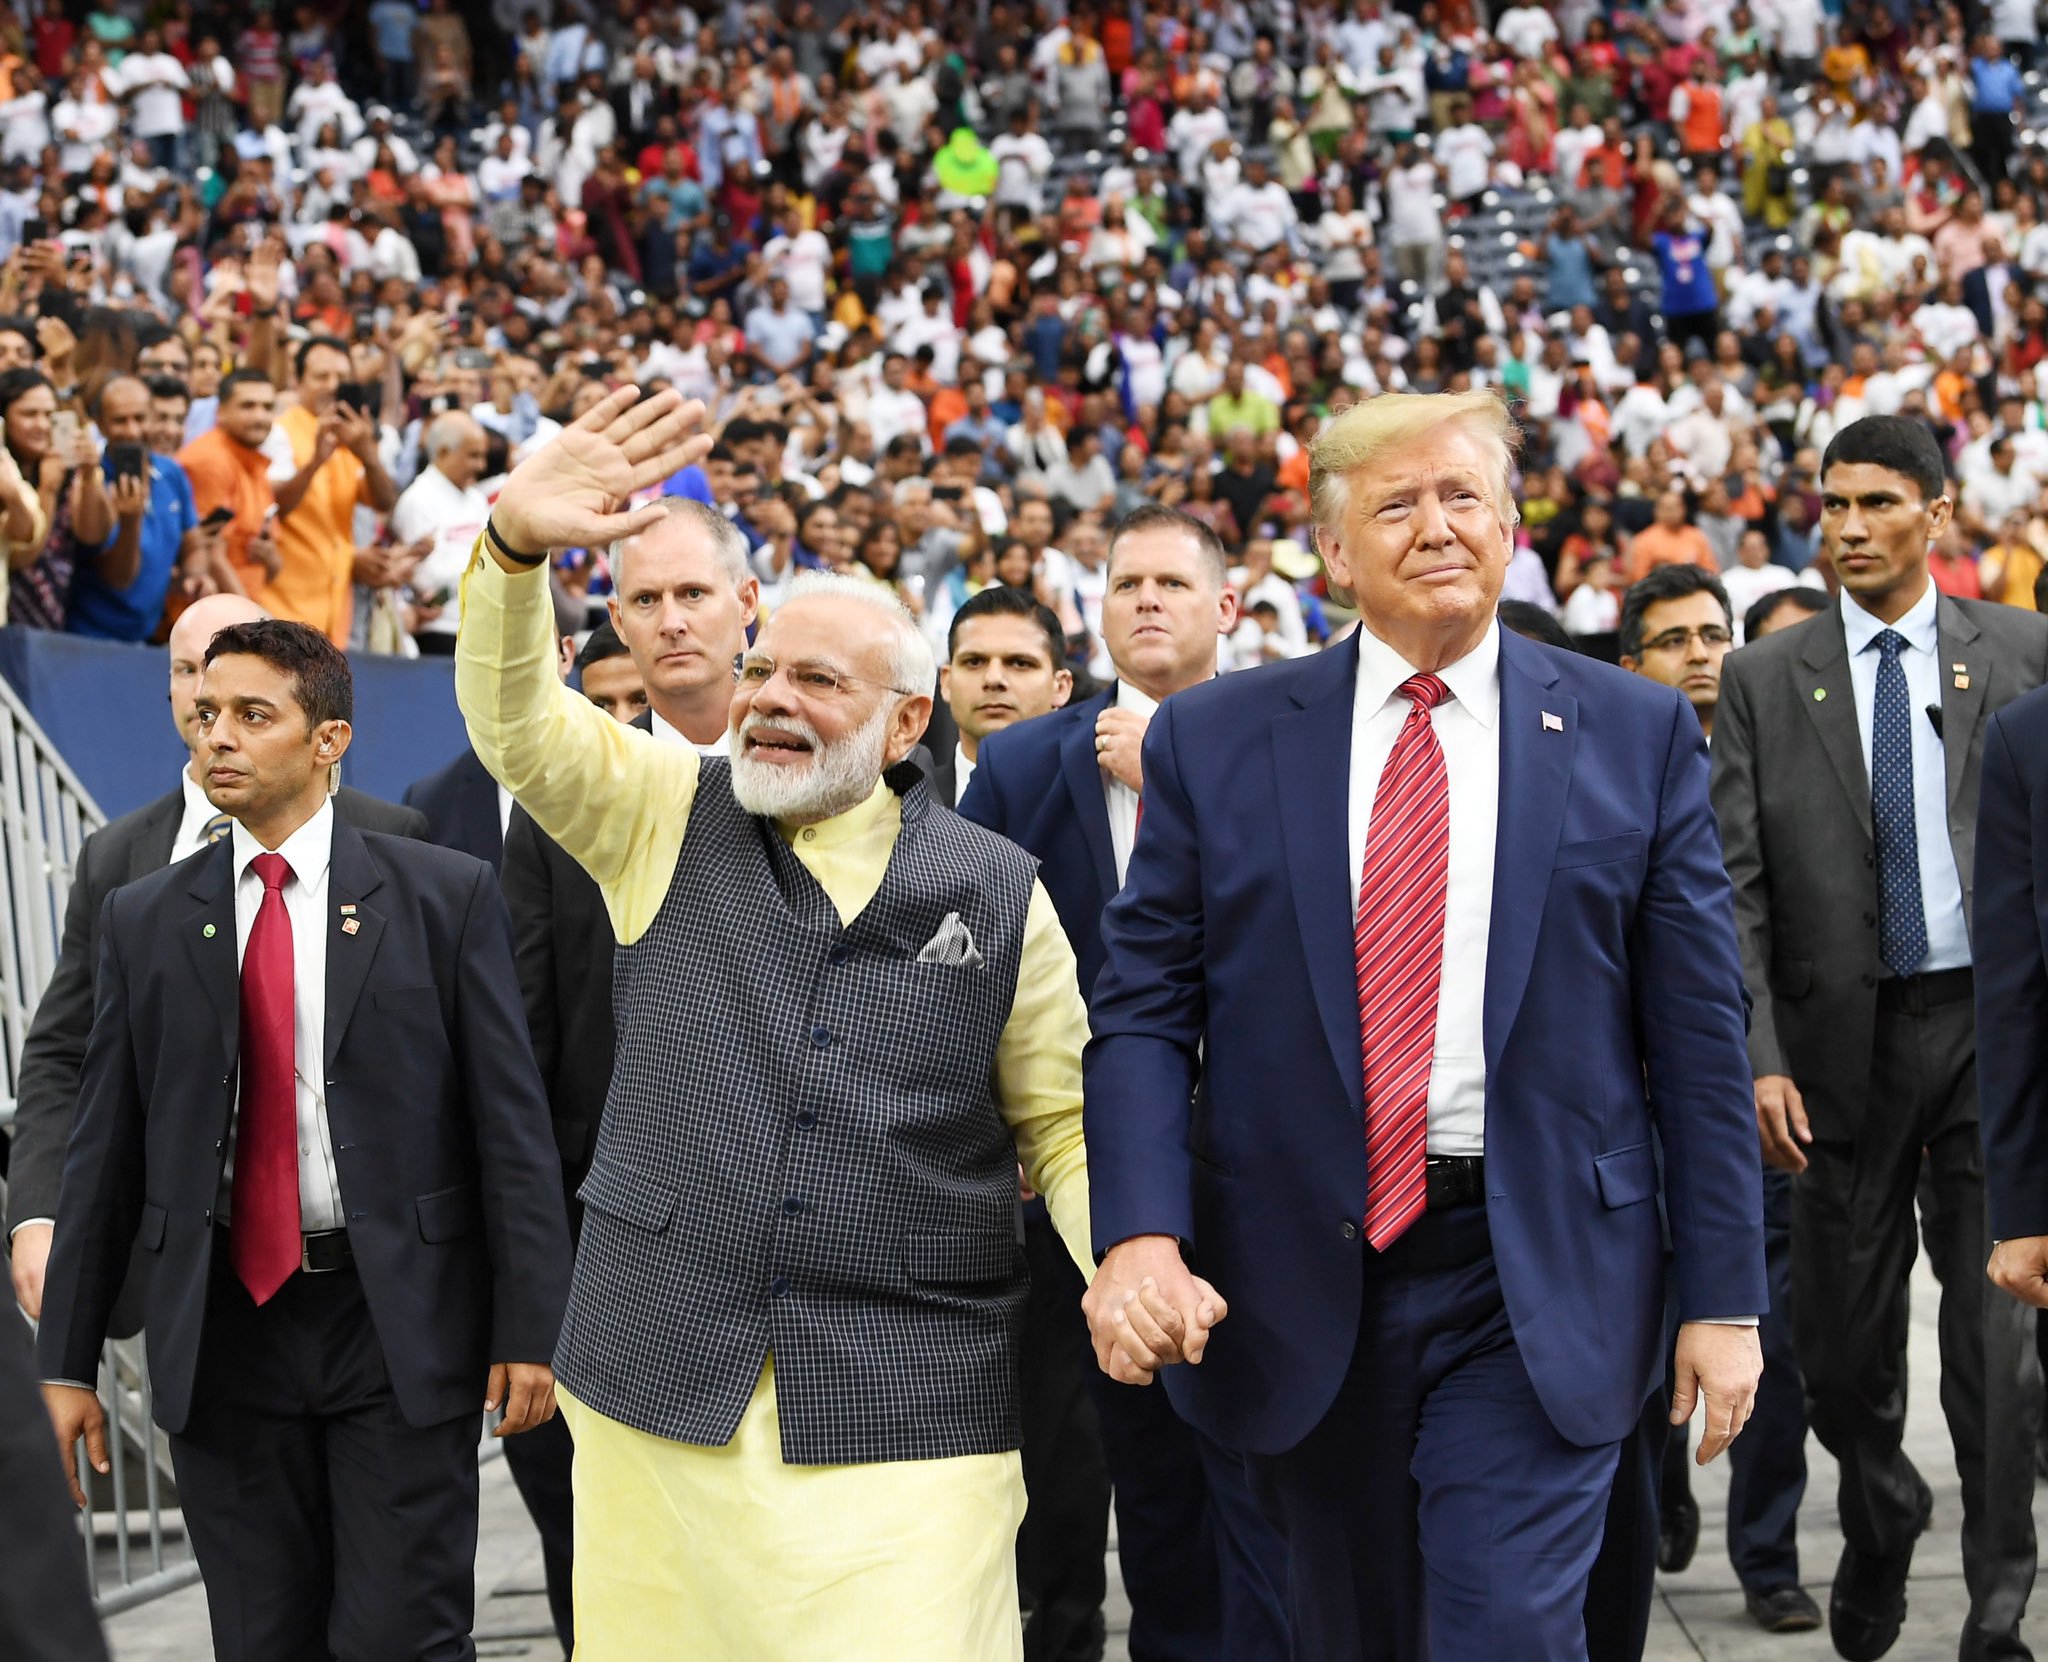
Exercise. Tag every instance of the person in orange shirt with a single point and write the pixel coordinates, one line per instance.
(332, 469)
(1696, 114)
(229, 471)
(1670, 540)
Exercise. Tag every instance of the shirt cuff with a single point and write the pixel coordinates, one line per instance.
(1726, 1321)
(76, 1385)
(25, 1222)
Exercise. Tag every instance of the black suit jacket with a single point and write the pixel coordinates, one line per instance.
(2011, 949)
(563, 944)
(461, 805)
(119, 852)
(448, 1177)
(1792, 795)
(1037, 783)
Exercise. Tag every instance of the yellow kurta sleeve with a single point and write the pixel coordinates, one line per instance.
(1038, 1076)
(616, 799)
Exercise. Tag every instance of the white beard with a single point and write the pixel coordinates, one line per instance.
(837, 777)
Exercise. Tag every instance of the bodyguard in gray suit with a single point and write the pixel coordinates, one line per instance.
(1845, 770)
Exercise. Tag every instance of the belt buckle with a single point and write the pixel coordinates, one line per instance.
(306, 1264)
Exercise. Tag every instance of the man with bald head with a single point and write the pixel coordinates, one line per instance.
(120, 595)
(174, 827)
(845, 1016)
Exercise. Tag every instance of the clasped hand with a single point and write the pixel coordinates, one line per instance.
(1146, 1309)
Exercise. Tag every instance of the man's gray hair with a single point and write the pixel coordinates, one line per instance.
(728, 541)
(911, 664)
(449, 429)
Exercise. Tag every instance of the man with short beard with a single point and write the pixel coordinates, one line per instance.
(844, 1016)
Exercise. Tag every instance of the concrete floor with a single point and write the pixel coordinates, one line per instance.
(1699, 1614)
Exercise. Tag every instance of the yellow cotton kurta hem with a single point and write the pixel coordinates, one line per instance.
(690, 1554)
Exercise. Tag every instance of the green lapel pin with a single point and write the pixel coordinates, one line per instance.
(1820, 695)
(208, 931)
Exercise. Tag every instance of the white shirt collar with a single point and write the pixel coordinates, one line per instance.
(307, 850)
(196, 802)
(1474, 679)
(1920, 625)
(1129, 697)
(721, 746)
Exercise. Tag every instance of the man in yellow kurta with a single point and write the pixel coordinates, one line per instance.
(844, 1015)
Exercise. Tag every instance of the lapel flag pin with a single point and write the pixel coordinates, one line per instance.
(348, 908)
(350, 925)
(1820, 695)
(1552, 723)
(1959, 668)
(208, 931)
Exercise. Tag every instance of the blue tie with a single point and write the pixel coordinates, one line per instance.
(1902, 919)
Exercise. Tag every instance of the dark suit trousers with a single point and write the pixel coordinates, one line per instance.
(46, 1612)
(1767, 1463)
(1853, 1244)
(324, 1525)
(1062, 1548)
(542, 1462)
(1436, 1511)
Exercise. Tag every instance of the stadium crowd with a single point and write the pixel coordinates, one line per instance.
(285, 300)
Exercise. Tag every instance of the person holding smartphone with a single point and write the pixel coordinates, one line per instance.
(157, 532)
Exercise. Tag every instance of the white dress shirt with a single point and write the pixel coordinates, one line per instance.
(1122, 801)
(720, 746)
(192, 823)
(963, 773)
(308, 851)
(1468, 730)
(1941, 886)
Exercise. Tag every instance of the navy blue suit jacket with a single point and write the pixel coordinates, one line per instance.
(1225, 1084)
(2010, 946)
(439, 1124)
(461, 805)
(1038, 784)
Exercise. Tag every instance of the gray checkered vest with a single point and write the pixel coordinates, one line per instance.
(802, 1154)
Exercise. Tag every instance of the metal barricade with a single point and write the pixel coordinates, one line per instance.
(45, 815)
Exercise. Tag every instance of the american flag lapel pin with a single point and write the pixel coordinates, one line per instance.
(1552, 722)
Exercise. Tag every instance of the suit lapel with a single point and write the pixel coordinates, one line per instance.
(1828, 697)
(1964, 655)
(1312, 767)
(151, 851)
(208, 932)
(1084, 784)
(1535, 778)
(352, 876)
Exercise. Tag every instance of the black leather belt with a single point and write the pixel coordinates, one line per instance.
(1920, 992)
(325, 1252)
(1456, 1180)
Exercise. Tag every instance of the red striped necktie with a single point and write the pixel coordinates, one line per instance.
(1400, 953)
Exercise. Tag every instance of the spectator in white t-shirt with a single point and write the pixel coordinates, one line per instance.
(1525, 30)
(1465, 153)
(802, 259)
(443, 509)
(152, 84)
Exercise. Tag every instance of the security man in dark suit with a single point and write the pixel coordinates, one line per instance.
(46, 1612)
(309, 1097)
(1846, 761)
(1206, 1572)
(171, 828)
(464, 808)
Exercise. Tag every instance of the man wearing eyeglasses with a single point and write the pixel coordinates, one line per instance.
(1676, 627)
(1846, 760)
(845, 1016)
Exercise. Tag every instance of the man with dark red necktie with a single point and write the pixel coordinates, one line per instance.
(1415, 933)
(309, 1098)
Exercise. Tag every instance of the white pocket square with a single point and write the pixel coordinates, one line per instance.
(953, 945)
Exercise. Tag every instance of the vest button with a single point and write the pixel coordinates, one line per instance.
(821, 1036)
(779, 1287)
(792, 1207)
(838, 957)
(1348, 1230)
(805, 1119)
